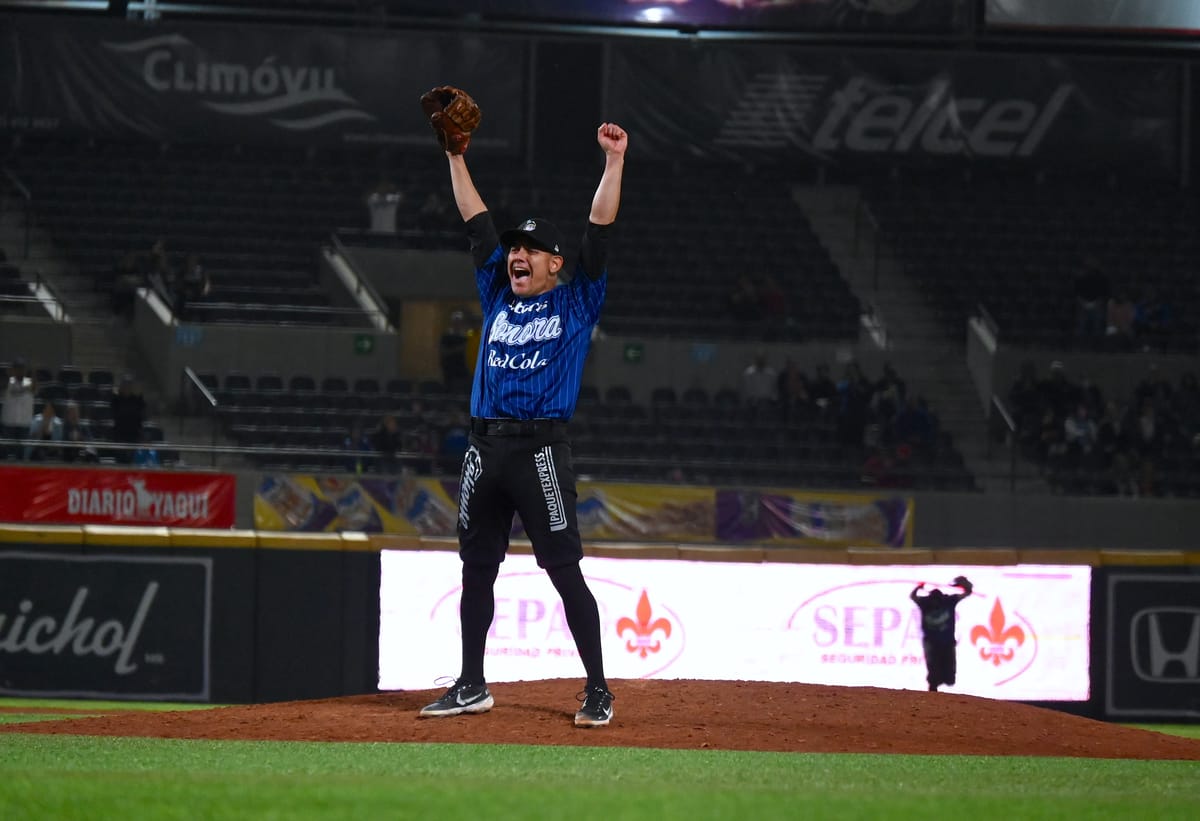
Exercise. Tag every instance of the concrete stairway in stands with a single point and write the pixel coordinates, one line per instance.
(902, 325)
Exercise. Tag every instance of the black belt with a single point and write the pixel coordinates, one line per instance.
(517, 427)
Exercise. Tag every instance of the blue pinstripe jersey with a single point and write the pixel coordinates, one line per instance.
(531, 355)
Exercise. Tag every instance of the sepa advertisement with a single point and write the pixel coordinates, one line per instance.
(1023, 635)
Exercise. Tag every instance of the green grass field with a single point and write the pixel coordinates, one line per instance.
(70, 777)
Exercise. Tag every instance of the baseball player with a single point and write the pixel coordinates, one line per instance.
(937, 630)
(536, 334)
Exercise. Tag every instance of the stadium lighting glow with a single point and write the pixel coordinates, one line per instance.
(654, 14)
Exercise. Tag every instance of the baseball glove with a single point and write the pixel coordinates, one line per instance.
(453, 115)
(962, 581)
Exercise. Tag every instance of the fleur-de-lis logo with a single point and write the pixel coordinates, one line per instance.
(643, 641)
(993, 639)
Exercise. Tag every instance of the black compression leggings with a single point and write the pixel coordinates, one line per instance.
(478, 606)
(583, 617)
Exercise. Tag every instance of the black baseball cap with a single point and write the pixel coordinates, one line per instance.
(540, 233)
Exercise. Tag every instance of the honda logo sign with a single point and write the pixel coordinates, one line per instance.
(1153, 638)
(1165, 644)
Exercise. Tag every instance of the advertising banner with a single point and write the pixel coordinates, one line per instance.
(645, 512)
(105, 626)
(249, 84)
(663, 513)
(784, 15)
(765, 104)
(313, 504)
(1022, 635)
(1153, 646)
(789, 517)
(1141, 16)
(72, 496)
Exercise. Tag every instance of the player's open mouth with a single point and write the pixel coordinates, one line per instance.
(519, 273)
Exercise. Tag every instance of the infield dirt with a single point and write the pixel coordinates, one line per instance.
(728, 715)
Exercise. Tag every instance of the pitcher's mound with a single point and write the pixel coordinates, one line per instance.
(729, 715)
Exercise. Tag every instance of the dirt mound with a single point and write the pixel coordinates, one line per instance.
(731, 715)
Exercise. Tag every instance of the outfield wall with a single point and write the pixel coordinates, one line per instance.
(245, 616)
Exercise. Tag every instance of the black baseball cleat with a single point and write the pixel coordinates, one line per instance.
(597, 708)
(460, 698)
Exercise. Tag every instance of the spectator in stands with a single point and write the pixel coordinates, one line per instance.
(1079, 433)
(1146, 429)
(1126, 471)
(196, 286)
(45, 427)
(383, 200)
(455, 440)
(1091, 395)
(77, 432)
(146, 454)
(420, 437)
(360, 448)
(823, 391)
(1058, 392)
(854, 405)
(158, 273)
(1091, 300)
(888, 467)
(877, 468)
(889, 393)
(1024, 397)
(17, 413)
(1119, 327)
(793, 393)
(915, 425)
(1049, 439)
(128, 414)
(452, 353)
(1155, 387)
(760, 382)
(127, 277)
(1110, 434)
(388, 442)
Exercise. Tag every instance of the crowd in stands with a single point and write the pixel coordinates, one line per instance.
(182, 284)
(782, 427)
(1144, 444)
(204, 225)
(877, 426)
(61, 416)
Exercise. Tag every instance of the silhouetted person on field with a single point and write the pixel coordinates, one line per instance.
(937, 630)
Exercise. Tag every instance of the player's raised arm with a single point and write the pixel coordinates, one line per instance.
(467, 199)
(613, 139)
(454, 115)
